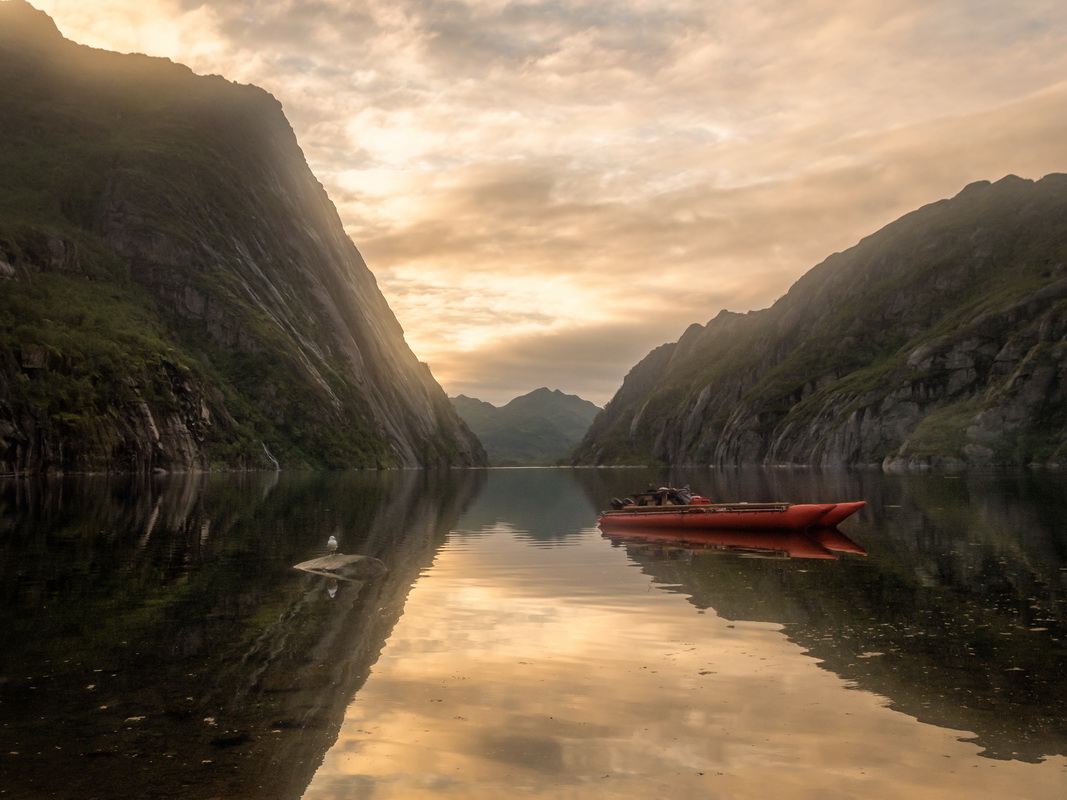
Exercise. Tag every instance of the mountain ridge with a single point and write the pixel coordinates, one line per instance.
(535, 429)
(179, 292)
(937, 341)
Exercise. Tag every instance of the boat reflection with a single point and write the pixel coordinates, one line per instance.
(960, 629)
(823, 543)
(835, 540)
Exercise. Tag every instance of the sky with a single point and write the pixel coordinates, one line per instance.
(548, 190)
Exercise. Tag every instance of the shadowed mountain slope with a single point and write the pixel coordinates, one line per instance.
(537, 429)
(176, 289)
(941, 340)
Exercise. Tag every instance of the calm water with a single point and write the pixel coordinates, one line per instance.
(156, 641)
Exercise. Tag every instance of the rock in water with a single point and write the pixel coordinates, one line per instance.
(348, 568)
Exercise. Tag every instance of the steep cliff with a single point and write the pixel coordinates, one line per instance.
(941, 340)
(176, 289)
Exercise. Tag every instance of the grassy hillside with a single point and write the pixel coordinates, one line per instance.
(178, 292)
(938, 340)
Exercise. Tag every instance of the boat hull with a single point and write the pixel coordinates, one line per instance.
(731, 516)
(839, 512)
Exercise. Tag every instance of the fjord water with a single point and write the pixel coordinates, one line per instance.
(156, 641)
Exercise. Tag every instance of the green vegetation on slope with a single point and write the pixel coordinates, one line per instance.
(177, 289)
(937, 340)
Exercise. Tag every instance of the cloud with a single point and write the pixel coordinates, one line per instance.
(548, 190)
(594, 356)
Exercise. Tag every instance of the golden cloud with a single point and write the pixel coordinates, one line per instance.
(513, 170)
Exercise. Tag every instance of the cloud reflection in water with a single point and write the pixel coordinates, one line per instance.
(562, 672)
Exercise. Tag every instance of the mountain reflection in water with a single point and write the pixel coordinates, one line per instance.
(155, 639)
(958, 617)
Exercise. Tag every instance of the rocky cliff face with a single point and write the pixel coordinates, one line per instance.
(941, 340)
(177, 289)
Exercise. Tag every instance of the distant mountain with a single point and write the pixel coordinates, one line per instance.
(177, 291)
(537, 429)
(939, 341)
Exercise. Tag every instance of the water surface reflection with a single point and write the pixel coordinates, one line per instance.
(959, 615)
(155, 640)
(555, 672)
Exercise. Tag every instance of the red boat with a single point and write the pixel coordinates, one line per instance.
(678, 508)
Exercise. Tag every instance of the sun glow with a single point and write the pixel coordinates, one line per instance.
(467, 312)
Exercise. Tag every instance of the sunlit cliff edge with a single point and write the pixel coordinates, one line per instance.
(176, 289)
(939, 341)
